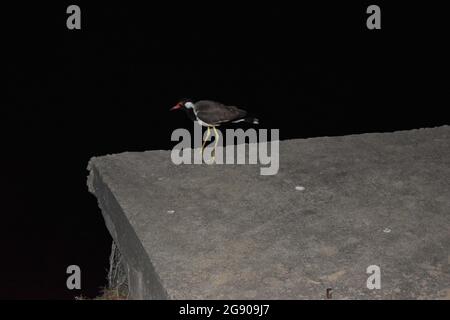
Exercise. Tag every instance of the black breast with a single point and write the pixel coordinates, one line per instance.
(190, 113)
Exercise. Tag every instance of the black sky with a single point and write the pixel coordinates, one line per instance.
(70, 95)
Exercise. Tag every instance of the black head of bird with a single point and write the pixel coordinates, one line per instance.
(183, 104)
(188, 107)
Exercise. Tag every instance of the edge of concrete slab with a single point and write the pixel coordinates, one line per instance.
(143, 281)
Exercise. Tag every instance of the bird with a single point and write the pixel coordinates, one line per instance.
(212, 114)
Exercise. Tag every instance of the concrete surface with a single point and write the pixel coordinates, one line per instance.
(337, 206)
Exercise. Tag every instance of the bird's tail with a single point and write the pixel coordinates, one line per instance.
(248, 119)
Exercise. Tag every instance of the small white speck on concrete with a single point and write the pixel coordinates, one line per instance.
(299, 188)
(170, 211)
(386, 230)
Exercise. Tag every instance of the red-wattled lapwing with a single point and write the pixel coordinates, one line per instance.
(211, 114)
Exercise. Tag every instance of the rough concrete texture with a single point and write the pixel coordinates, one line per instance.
(226, 232)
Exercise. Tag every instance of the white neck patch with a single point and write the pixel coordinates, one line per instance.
(189, 105)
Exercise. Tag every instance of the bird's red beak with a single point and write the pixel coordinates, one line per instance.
(176, 107)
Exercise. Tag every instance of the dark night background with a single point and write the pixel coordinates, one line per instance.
(73, 94)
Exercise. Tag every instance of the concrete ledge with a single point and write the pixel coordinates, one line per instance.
(226, 232)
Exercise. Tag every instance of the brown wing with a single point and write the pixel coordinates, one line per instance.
(215, 112)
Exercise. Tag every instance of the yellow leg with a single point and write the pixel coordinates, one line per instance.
(216, 141)
(207, 137)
